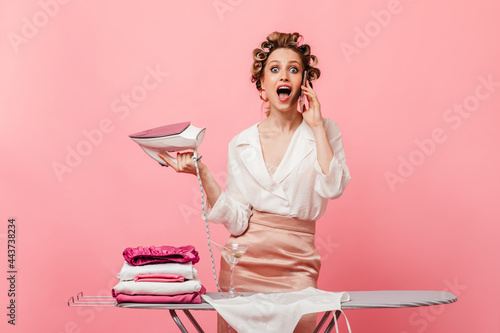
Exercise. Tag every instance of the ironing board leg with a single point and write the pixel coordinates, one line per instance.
(177, 321)
(193, 321)
(322, 321)
(332, 322)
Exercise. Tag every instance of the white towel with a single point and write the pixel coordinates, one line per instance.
(276, 312)
(157, 288)
(128, 272)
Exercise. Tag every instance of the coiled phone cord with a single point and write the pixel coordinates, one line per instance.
(195, 159)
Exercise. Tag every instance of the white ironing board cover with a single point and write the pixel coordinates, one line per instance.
(275, 312)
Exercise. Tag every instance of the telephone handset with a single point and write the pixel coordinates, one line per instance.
(304, 80)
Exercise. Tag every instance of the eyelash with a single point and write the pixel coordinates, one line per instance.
(296, 69)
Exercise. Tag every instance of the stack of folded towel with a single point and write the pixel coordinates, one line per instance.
(162, 274)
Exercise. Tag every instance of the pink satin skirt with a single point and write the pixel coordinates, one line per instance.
(281, 257)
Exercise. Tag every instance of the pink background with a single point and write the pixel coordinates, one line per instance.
(421, 212)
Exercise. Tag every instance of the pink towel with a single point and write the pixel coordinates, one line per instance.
(159, 278)
(191, 298)
(160, 254)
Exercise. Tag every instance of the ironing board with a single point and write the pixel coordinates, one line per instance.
(359, 300)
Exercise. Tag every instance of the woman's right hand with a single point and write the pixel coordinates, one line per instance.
(185, 163)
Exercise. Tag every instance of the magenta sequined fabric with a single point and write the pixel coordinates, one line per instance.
(138, 256)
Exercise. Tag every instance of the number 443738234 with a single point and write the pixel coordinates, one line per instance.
(11, 248)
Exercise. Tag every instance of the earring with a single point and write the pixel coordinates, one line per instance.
(260, 95)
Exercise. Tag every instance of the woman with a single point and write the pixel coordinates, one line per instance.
(281, 173)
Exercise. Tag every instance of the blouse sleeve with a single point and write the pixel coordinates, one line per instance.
(231, 209)
(332, 185)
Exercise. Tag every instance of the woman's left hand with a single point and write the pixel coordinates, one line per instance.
(312, 116)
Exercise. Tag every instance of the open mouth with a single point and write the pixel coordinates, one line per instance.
(283, 93)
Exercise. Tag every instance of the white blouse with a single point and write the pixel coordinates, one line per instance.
(298, 187)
